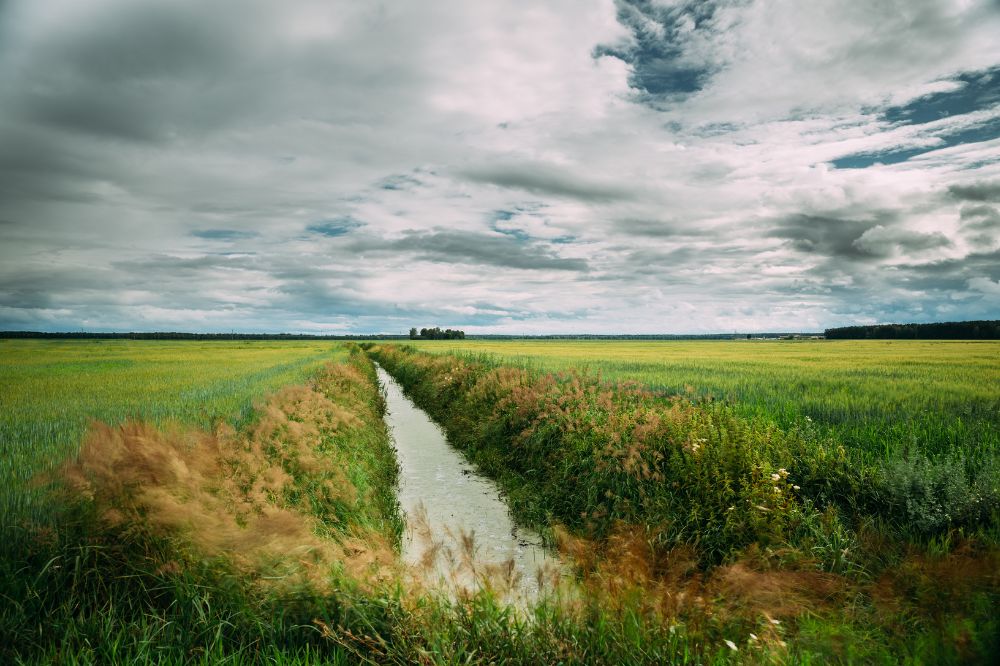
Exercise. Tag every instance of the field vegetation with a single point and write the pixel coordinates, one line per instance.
(222, 515)
(234, 502)
(869, 553)
(880, 399)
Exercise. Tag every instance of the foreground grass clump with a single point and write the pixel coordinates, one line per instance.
(178, 543)
(730, 524)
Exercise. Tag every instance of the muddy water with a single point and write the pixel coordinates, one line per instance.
(446, 502)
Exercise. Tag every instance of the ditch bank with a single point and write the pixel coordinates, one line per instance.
(459, 533)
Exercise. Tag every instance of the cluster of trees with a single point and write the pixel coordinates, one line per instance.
(436, 334)
(950, 330)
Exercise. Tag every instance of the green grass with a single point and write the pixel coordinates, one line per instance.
(50, 390)
(904, 538)
(901, 555)
(77, 589)
(881, 399)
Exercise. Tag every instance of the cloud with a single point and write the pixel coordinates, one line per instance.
(882, 241)
(223, 234)
(568, 165)
(332, 228)
(477, 248)
(984, 191)
(985, 286)
(544, 179)
(825, 235)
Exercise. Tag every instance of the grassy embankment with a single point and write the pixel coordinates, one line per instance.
(728, 521)
(909, 414)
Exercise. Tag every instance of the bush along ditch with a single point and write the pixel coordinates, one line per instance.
(735, 527)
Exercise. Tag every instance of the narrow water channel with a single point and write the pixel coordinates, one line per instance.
(446, 501)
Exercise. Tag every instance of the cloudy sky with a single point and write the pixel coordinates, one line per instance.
(639, 166)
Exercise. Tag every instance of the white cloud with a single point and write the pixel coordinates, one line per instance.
(169, 161)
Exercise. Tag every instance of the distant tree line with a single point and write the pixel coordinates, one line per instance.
(951, 330)
(436, 334)
(85, 335)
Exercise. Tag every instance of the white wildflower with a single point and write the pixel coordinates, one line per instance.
(796, 488)
(732, 645)
(775, 477)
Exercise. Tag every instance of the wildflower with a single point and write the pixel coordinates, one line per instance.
(783, 472)
(730, 508)
(777, 490)
(796, 488)
(753, 636)
(775, 477)
(732, 645)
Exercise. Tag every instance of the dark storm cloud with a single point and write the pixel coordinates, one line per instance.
(653, 228)
(655, 51)
(543, 179)
(980, 217)
(954, 274)
(984, 191)
(475, 248)
(981, 225)
(880, 241)
(134, 72)
(224, 234)
(159, 266)
(824, 235)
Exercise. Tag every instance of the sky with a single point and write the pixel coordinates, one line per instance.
(545, 167)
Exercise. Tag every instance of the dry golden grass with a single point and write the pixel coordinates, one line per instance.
(226, 493)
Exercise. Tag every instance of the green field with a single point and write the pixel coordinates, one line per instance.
(720, 502)
(880, 398)
(50, 390)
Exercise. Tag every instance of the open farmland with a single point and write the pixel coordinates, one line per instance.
(234, 502)
(881, 399)
(50, 390)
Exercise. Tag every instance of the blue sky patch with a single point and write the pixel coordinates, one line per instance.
(332, 228)
(984, 132)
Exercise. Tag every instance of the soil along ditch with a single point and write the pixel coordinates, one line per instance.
(460, 533)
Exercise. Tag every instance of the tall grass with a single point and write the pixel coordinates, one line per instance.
(696, 502)
(271, 543)
(879, 399)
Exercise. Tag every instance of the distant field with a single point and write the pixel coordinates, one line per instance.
(51, 389)
(880, 398)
